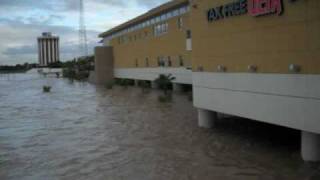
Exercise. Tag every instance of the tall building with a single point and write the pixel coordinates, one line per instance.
(48, 49)
(257, 59)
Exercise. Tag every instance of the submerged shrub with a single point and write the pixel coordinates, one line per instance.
(164, 82)
(109, 85)
(165, 98)
(145, 85)
(46, 89)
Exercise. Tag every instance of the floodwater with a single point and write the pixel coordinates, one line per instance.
(80, 131)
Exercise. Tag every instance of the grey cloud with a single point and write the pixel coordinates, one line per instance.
(68, 5)
(26, 49)
(72, 5)
(150, 3)
(16, 46)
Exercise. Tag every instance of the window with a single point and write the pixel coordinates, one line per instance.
(176, 12)
(169, 15)
(158, 19)
(188, 34)
(169, 61)
(153, 21)
(183, 10)
(163, 17)
(137, 63)
(180, 22)
(147, 62)
(181, 63)
(161, 29)
(161, 62)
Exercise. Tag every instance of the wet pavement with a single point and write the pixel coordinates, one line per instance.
(80, 131)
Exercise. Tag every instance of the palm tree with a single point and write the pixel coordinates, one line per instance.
(164, 82)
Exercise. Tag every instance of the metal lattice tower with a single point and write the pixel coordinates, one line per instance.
(83, 46)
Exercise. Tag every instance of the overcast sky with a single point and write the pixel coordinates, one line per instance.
(22, 21)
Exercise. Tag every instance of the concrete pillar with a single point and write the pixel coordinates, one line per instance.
(310, 146)
(206, 118)
(177, 87)
(154, 85)
(136, 82)
(104, 64)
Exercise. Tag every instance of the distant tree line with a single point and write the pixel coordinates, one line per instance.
(17, 68)
(78, 69)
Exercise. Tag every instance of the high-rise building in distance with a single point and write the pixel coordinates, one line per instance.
(48, 49)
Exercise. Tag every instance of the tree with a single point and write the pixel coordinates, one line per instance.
(164, 82)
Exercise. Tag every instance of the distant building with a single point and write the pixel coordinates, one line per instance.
(48, 49)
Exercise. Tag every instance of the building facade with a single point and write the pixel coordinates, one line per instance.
(258, 59)
(48, 49)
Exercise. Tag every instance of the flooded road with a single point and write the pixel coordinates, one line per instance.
(79, 131)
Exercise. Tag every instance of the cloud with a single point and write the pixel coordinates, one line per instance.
(25, 49)
(22, 21)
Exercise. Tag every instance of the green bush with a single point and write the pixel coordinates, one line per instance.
(109, 85)
(164, 82)
(124, 82)
(46, 89)
(145, 85)
(165, 98)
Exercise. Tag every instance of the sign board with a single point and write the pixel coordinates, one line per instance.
(253, 7)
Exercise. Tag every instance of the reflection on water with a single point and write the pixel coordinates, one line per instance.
(79, 131)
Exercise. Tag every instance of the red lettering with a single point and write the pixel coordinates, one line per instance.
(263, 7)
(276, 6)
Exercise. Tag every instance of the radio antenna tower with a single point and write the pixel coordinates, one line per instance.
(83, 46)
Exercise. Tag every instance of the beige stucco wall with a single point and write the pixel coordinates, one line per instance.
(171, 44)
(270, 42)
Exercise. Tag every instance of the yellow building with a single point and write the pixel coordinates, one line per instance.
(258, 59)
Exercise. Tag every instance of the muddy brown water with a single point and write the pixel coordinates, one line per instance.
(80, 131)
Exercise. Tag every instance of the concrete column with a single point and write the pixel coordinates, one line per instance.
(45, 52)
(58, 50)
(310, 146)
(177, 87)
(40, 52)
(206, 118)
(56, 43)
(53, 51)
(104, 64)
(136, 82)
(154, 85)
(50, 50)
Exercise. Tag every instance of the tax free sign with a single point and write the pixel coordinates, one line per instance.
(240, 7)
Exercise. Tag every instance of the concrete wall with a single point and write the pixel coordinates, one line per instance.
(288, 99)
(104, 64)
(182, 75)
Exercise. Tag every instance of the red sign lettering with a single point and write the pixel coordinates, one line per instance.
(263, 7)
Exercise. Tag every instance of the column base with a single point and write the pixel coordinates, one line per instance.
(310, 146)
(154, 85)
(206, 118)
(136, 82)
(177, 87)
